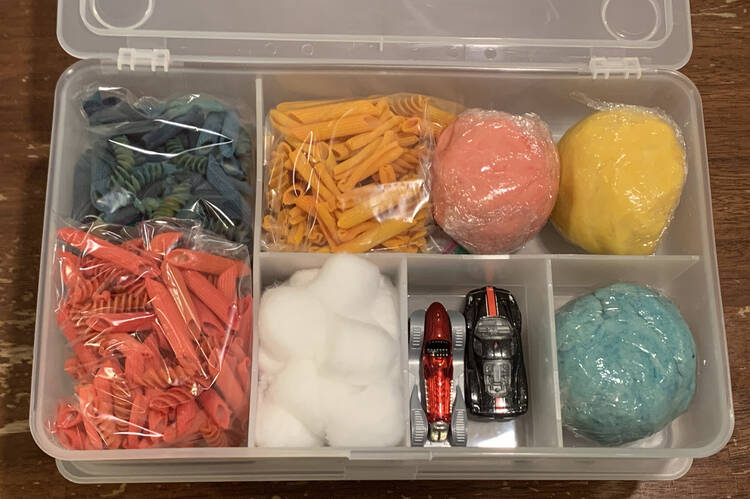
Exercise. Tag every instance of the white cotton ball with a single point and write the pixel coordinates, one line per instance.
(333, 392)
(292, 323)
(358, 352)
(276, 427)
(385, 308)
(263, 381)
(372, 417)
(303, 277)
(347, 284)
(267, 363)
(297, 388)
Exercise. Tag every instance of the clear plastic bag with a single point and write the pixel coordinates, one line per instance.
(494, 180)
(348, 175)
(189, 157)
(159, 317)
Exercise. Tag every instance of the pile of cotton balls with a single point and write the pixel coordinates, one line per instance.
(329, 359)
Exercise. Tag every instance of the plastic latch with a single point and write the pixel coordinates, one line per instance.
(606, 66)
(131, 57)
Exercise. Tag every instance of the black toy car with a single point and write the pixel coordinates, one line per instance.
(495, 380)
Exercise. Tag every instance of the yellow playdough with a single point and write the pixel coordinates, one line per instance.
(621, 176)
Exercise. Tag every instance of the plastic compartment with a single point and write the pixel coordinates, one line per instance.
(447, 281)
(702, 427)
(69, 141)
(547, 272)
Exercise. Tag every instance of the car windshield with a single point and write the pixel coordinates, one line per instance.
(497, 338)
(438, 348)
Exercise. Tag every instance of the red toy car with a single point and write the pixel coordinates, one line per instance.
(437, 408)
(437, 371)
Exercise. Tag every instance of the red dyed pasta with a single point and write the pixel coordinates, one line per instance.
(175, 282)
(227, 283)
(173, 397)
(210, 323)
(160, 334)
(90, 244)
(230, 389)
(216, 408)
(213, 435)
(173, 326)
(200, 262)
(225, 309)
(246, 322)
(163, 243)
(136, 420)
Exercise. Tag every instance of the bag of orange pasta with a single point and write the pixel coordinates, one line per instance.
(349, 175)
(159, 319)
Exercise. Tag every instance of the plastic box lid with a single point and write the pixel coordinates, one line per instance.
(524, 34)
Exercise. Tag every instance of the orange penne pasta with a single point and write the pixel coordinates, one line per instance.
(386, 174)
(373, 237)
(407, 140)
(320, 211)
(302, 166)
(325, 176)
(373, 151)
(346, 235)
(361, 156)
(281, 121)
(369, 168)
(328, 112)
(301, 104)
(359, 141)
(377, 204)
(353, 197)
(340, 151)
(342, 127)
(351, 149)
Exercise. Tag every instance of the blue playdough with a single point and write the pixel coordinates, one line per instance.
(626, 362)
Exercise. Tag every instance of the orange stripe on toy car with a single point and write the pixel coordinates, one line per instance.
(491, 303)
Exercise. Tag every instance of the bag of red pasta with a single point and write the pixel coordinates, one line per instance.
(159, 318)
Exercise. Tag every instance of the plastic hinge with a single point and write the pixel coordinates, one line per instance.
(130, 57)
(606, 66)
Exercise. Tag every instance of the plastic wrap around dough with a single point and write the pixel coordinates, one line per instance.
(494, 180)
(626, 363)
(622, 173)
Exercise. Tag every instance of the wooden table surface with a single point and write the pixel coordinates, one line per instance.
(31, 60)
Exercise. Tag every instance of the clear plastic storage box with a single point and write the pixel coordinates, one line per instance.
(517, 56)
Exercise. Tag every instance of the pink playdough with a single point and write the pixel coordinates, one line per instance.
(494, 180)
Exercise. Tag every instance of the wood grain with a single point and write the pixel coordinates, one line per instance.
(30, 63)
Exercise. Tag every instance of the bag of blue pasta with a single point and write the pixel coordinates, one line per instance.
(190, 157)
